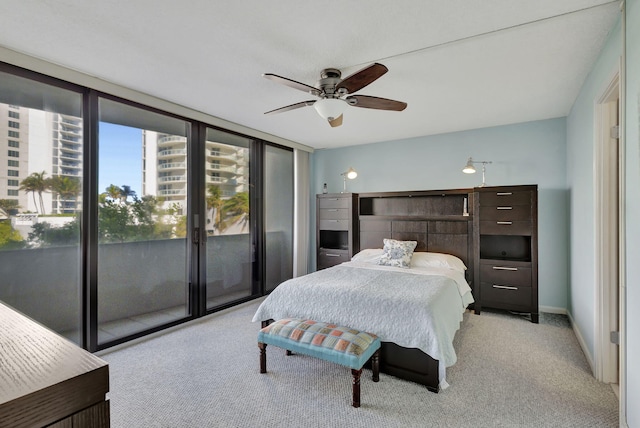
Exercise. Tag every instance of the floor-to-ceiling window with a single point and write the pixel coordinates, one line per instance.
(228, 209)
(278, 200)
(142, 207)
(117, 219)
(41, 164)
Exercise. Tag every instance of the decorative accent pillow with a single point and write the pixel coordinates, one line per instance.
(368, 255)
(437, 260)
(397, 253)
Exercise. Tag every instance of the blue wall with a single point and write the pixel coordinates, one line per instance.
(525, 153)
(581, 180)
(632, 179)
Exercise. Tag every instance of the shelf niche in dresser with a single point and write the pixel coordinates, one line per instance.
(336, 228)
(506, 230)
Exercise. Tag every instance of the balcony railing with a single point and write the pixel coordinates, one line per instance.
(172, 152)
(172, 139)
(172, 178)
(173, 165)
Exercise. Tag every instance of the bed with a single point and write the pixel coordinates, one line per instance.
(414, 306)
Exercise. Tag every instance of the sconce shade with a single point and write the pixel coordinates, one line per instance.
(330, 108)
(351, 174)
(469, 168)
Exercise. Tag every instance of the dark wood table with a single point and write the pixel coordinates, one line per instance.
(46, 380)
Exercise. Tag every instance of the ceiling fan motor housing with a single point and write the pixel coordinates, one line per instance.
(329, 79)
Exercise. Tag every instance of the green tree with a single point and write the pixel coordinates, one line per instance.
(10, 206)
(113, 221)
(43, 235)
(29, 185)
(68, 188)
(9, 237)
(237, 207)
(113, 192)
(216, 203)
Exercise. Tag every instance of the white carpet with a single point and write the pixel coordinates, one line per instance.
(510, 373)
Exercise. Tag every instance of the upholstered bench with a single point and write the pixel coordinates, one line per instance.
(329, 342)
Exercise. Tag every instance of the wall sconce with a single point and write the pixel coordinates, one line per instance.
(470, 169)
(350, 174)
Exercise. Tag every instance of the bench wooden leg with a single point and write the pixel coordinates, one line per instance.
(263, 357)
(356, 387)
(375, 365)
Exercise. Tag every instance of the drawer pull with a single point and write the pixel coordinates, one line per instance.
(504, 287)
(504, 208)
(332, 255)
(333, 210)
(507, 223)
(504, 268)
(504, 194)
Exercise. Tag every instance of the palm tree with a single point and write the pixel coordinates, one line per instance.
(238, 207)
(216, 203)
(125, 192)
(35, 183)
(113, 192)
(66, 187)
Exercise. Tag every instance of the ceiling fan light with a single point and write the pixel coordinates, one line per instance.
(330, 108)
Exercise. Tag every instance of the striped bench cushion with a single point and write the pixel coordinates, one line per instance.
(330, 342)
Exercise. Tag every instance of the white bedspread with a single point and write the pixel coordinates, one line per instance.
(415, 308)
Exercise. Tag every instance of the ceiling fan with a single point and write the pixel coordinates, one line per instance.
(335, 93)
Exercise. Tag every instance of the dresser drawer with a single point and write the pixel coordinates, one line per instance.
(333, 214)
(505, 274)
(333, 202)
(505, 198)
(505, 227)
(334, 224)
(506, 212)
(506, 296)
(329, 257)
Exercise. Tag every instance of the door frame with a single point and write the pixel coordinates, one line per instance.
(608, 254)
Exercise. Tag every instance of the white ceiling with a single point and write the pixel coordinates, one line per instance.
(459, 64)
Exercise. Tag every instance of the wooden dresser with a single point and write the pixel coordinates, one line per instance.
(47, 381)
(336, 228)
(506, 229)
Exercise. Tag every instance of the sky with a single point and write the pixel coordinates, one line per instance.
(119, 157)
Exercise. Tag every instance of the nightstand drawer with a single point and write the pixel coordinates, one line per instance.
(505, 198)
(333, 214)
(506, 212)
(505, 227)
(505, 274)
(506, 296)
(334, 224)
(333, 202)
(328, 257)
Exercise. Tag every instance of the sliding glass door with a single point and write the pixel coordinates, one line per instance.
(143, 179)
(117, 219)
(278, 200)
(228, 212)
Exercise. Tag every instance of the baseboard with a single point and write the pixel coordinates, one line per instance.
(583, 344)
(552, 310)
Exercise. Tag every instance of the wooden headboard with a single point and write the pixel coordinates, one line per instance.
(440, 221)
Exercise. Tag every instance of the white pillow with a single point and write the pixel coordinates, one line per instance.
(397, 253)
(440, 260)
(368, 255)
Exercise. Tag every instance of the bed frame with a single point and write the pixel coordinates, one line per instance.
(440, 221)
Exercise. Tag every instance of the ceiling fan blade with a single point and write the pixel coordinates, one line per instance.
(292, 83)
(336, 122)
(366, 101)
(291, 107)
(362, 78)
